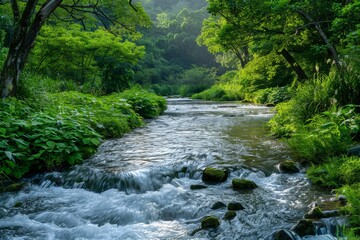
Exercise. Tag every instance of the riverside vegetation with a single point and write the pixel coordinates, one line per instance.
(57, 130)
(302, 56)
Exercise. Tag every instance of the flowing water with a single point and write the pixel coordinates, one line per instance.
(138, 186)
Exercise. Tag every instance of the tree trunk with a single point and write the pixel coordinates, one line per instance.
(324, 37)
(22, 42)
(294, 65)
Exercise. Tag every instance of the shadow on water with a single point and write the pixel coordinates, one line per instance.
(139, 186)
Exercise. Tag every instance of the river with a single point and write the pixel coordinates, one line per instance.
(138, 186)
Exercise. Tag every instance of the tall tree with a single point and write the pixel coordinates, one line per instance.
(28, 17)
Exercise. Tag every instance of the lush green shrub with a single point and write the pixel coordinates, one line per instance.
(310, 98)
(146, 104)
(40, 141)
(195, 80)
(111, 116)
(352, 194)
(66, 128)
(326, 135)
(213, 93)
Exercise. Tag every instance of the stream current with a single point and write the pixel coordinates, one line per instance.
(138, 186)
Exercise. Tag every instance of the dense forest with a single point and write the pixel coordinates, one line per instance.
(76, 72)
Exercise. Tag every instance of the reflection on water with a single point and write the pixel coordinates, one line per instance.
(138, 187)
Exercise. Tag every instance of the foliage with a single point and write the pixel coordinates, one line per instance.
(310, 98)
(73, 53)
(330, 173)
(39, 141)
(146, 104)
(215, 93)
(196, 79)
(326, 135)
(270, 95)
(67, 127)
(352, 193)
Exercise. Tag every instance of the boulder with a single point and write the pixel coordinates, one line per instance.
(288, 166)
(235, 206)
(210, 222)
(314, 213)
(229, 215)
(342, 199)
(197, 186)
(304, 227)
(243, 184)
(354, 151)
(214, 175)
(218, 205)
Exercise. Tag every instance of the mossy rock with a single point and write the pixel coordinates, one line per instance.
(229, 215)
(315, 213)
(304, 227)
(210, 222)
(235, 206)
(243, 184)
(197, 187)
(288, 166)
(18, 204)
(214, 175)
(218, 205)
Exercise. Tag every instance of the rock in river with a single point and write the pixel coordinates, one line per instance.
(214, 175)
(210, 222)
(304, 227)
(288, 166)
(243, 184)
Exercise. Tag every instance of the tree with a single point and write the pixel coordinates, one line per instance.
(28, 18)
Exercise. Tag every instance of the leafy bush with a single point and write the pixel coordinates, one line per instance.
(40, 141)
(195, 80)
(326, 135)
(66, 128)
(146, 104)
(213, 93)
(110, 116)
(353, 207)
(311, 98)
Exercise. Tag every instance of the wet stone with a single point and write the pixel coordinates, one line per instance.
(288, 167)
(315, 213)
(243, 184)
(235, 206)
(214, 175)
(210, 222)
(283, 235)
(218, 205)
(304, 227)
(229, 215)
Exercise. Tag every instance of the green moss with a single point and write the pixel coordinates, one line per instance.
(243, 184)
(288, 166)
(315, 213)
(214, 175)
(229, 215)
(210, 222)
(235, 206)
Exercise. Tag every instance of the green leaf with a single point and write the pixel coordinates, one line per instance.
(50, 144)
(95, 141)
(9, 155)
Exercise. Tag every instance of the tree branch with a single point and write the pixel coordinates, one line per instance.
(15, 10)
